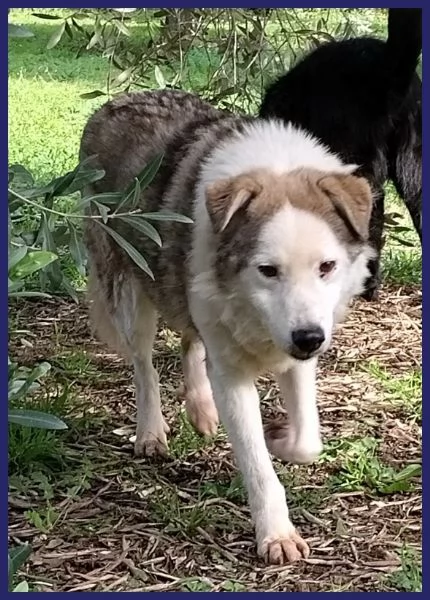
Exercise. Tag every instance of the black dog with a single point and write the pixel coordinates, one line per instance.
(362, 98)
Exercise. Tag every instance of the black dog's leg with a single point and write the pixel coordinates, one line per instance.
(405, 159)
(376, 241)
(412, 197)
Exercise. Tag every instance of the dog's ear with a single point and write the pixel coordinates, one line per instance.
(224, 198)
(352, 200)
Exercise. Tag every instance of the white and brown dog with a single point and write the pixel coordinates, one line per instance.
(277, 249)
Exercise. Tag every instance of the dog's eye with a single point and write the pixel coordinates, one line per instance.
(268, 270)
(327, 267)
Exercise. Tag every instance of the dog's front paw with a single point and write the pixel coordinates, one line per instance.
(283, 549)
(284, 445)
(150, 446)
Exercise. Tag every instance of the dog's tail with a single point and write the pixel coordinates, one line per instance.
(404, 45)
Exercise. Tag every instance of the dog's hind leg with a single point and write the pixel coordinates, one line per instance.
(128, 322)
(298, 440)
(376, 231)
(405, 159)
(414, 205)
(199, 402)
(408, 186)
(151, 428)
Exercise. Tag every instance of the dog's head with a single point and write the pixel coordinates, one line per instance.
(291, 252)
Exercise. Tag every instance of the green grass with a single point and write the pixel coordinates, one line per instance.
(357, 466)
(401, 263)
(46, 113)
(186, 439)
(404, 392)
(408, 578)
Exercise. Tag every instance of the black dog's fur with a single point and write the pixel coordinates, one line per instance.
(362, 98)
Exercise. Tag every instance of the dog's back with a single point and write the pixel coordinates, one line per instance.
(128, 131)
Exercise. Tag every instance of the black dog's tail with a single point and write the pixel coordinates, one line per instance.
(404, 45)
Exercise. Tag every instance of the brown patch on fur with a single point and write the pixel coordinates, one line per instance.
(260, 192)
(239, 207)
(242, 215)
(352, 199)
(342, 201)
(224, 198)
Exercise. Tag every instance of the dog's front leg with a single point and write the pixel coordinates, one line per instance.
(239, 408)
(299, 440)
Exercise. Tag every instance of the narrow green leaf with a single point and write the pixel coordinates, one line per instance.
(121, 27)
(166, 215)
(48, 240)
(134, 191)
(69, 183)
(28, 295)
(15, 256)
(13, 285)
(32, 261)
(77, 249)
(46, 16)
(159, 77)
(91, 95)
(141, 225)
(57, 186)
(82, 178)
(413, 470)
(103, 198)
(68, 287)
(134, 254)
(52, 271)
(123, 77)
(116, 63)
(95, 39)
(35, 419)
(149, 172)
(17, 557)
(56, 36)
(402, 241)
(69, 30)
(21, 587)
(15, 393)
(21, 174)
(137, 194)
(77, 25)
(145, 178)
(103, 211)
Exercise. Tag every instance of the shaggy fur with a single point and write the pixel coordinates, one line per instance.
(277, 248)
(362, 97)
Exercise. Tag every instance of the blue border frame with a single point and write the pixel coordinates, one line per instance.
(425, 218)
(3, 255)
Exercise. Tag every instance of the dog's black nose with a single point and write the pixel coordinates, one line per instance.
(308, 340)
